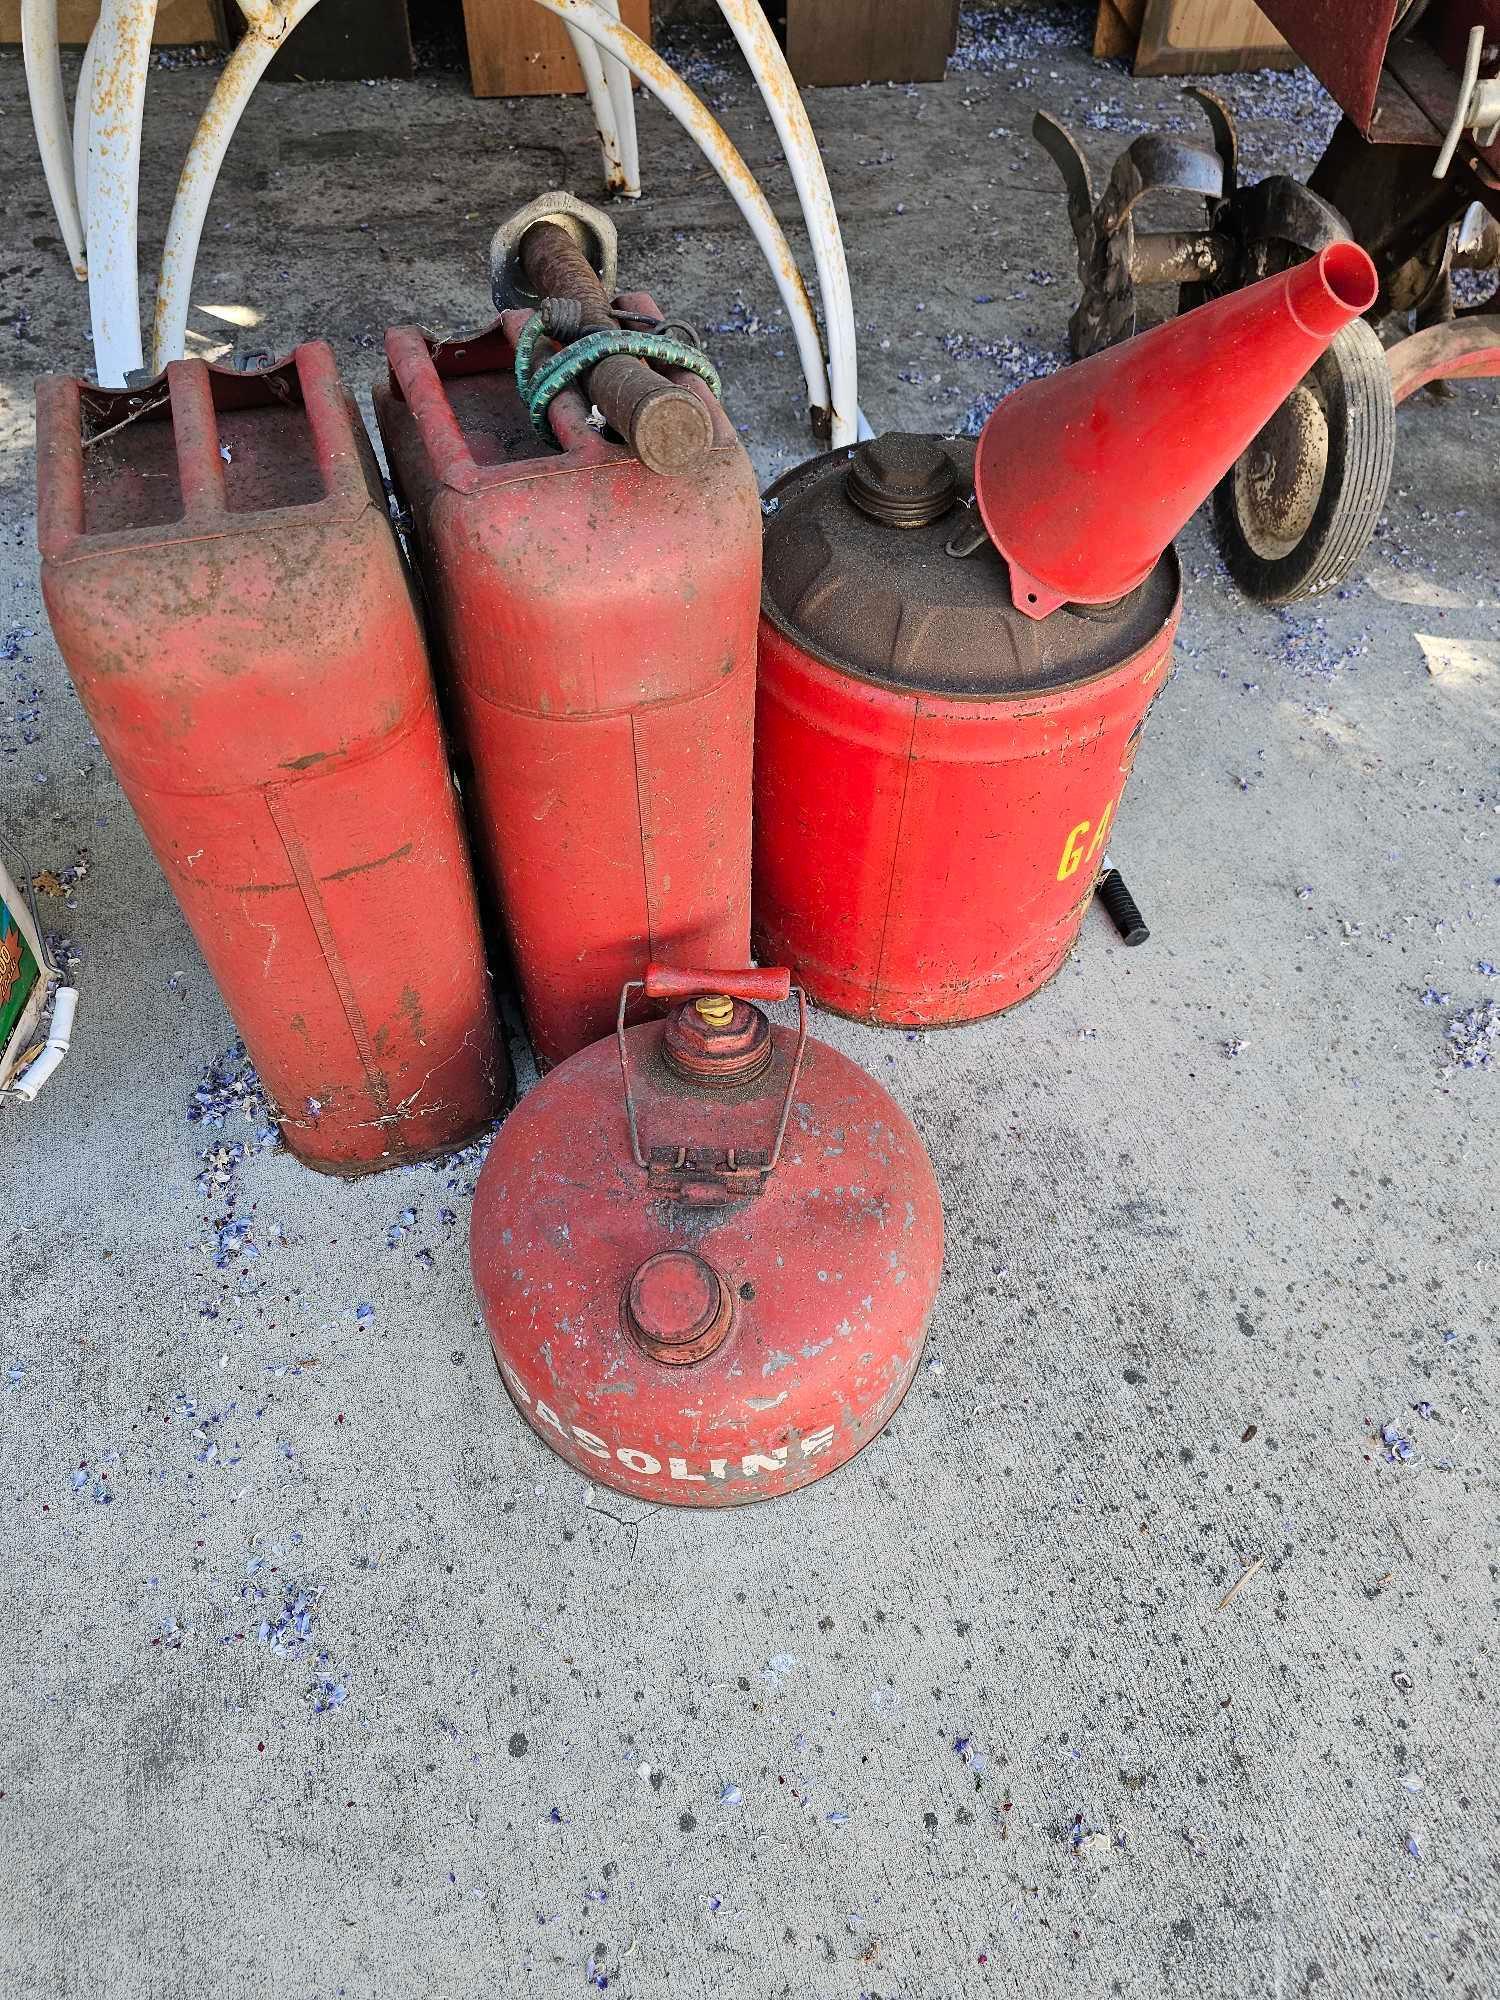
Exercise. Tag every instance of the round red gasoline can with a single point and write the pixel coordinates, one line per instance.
(706, 1248)
(936, 773)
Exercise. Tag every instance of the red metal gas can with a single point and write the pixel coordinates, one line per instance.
(936, 773)
(598, 628)
(707, 1249)
(226, 589)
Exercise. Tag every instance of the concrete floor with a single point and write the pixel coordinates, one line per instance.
(988, 1729)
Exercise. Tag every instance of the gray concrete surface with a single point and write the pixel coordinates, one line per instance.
(990, 1732)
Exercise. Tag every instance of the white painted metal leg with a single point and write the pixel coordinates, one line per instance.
(81, 128)
(269, 26)
(694, 116)
(117, 101)
(602, 104)
(49, 115)
(768, 65)
(622, 95)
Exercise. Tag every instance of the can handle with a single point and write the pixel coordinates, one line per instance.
(768, 983)
(696, 1182)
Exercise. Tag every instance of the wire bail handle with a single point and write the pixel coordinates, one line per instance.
(729, 1176)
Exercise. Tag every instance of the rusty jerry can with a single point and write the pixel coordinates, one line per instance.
(707, 1249)
(597, 627)
(226, 589)
(950, 703)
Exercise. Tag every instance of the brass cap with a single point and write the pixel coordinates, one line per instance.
(716, 1041)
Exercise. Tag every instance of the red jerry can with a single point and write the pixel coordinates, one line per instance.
(707, 1249)
(598, 628)
(948, 712)
(226, 589)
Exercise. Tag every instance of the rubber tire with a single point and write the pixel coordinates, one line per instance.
(1355, 384)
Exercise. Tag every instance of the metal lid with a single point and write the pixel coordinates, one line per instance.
(900, 610)
(902, 480)
(678, 1307)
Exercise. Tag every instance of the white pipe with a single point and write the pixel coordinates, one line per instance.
(622, 95)
(117, 103)
(762, 51)
(696, 119)
(59, 1036)
(602, 104)
(49, 116)
(268, 27)
(81, 127)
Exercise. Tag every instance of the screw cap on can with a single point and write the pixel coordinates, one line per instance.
(717, 1041)
(903, 480)
(677, 1307)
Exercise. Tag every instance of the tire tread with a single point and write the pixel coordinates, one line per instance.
(1361, 459)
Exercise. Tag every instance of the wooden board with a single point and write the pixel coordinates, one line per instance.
(1118, 28)
(870, 41)
(516, 49)
(1197, 37)
(177, 21)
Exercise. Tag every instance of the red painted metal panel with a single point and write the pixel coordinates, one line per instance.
(1343, 44)
(228, 595)
(1458, 348)
(598, 629)
(1448, 26)
(806, 1305)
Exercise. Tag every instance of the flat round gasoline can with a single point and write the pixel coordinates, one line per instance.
(707, 1250)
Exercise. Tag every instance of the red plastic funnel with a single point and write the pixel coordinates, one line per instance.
(1084, 477)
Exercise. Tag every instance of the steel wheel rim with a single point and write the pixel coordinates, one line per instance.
(1279, 481)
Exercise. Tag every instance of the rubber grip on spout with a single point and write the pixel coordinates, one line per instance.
(768, 983)
(1123, 910)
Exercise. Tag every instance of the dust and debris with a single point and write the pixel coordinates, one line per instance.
(1250, 1570)
(1004, 41)
(1399, 1448)
(229, 1101)
(1471, 1038)
(1306, 647)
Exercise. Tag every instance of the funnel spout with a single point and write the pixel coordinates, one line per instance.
(1330, 289)
(1084, 477)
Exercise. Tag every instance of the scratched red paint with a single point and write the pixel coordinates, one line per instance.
(598, 626)
(226, 589)
(828, 1275)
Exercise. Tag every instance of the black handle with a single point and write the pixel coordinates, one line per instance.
(1121, 905)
